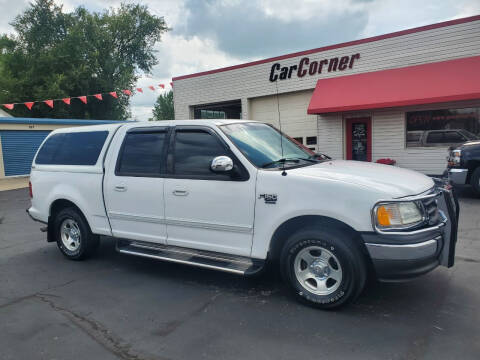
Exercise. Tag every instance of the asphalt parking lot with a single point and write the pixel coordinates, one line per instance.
(121, 307)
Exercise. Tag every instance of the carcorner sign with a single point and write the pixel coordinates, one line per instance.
(305, 66)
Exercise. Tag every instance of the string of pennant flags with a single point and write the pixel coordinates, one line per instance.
(83, 98)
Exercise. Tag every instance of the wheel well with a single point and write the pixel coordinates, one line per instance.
(290, 226)
(55, 208)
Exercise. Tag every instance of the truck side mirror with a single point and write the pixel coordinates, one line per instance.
(221, 164)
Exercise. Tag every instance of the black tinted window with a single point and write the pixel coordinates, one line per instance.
(194, 152)
(142, 154)
(77, 148)
(435, 137)
(453, 137)
(49, 149)
(311, 140)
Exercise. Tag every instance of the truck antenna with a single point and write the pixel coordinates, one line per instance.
(284, 173)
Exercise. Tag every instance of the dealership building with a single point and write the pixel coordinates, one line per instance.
(406, 96)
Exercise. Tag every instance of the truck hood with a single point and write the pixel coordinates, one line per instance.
(391, 180)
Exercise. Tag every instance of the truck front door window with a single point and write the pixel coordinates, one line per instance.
(194, 152)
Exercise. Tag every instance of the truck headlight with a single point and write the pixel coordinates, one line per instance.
(398, 215)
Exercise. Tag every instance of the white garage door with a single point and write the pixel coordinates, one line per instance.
(293, 113)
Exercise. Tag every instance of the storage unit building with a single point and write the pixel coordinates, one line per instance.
(21, 137)
(407, 95)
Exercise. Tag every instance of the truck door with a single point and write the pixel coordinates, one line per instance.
(134, 182)
(207, 210)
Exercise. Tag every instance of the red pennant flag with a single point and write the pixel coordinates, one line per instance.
(83, 99)
(9, 106)
(140, 90)
(49, 103)
(29, 105)
(171, 84)
(98, 96)
(66, 101)
(114, 94)
(127, 92)
(162, 86)
(151, 88)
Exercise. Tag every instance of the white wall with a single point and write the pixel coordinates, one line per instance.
(295, 120)
(330, 135)
(388, 137)
(252, 86)
(433, 45)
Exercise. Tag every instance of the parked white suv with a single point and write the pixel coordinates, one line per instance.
(232, 195)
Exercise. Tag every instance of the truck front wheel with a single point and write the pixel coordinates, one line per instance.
(324, 268)
(475, 181)
(73, 235)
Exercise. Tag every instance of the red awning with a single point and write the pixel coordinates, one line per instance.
(451, 80)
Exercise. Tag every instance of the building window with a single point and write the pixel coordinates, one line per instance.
(222, 110)
(311, 140)
(298, 139)
(212, 114)
(442, 128)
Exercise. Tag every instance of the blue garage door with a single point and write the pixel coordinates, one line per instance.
(19, 148)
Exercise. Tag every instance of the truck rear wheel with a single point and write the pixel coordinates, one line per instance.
(324, 268)
(73, 235)
(475, 181)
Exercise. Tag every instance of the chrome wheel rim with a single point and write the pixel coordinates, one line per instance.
(318, 270)
(70, 234)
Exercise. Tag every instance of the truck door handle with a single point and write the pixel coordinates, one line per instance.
(180, 192)
(120, 188)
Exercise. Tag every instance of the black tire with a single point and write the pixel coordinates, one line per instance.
(475, 181)
(341, 248)
(87, 242)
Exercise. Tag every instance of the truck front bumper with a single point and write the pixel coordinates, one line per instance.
(458, 176)
(403, 256)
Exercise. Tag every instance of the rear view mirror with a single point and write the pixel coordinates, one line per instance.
(221, 164)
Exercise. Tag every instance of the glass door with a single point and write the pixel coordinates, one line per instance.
(359, 139)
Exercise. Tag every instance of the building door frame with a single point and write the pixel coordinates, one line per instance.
(367, 120)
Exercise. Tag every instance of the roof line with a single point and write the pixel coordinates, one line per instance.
(336, 46)
(21, 120)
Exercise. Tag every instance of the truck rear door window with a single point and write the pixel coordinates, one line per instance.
(75, 148)
(142, 154)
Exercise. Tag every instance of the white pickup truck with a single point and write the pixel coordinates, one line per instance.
(235, 195)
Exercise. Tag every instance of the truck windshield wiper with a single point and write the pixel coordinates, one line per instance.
(279, 161)
(308, 159)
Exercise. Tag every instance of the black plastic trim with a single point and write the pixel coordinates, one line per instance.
(392, 239)
(403, 270)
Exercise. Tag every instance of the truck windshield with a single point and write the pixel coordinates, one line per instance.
(260, 143)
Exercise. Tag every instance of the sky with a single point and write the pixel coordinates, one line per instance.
(208, 34)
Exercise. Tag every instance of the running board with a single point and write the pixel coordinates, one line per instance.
(206, 259)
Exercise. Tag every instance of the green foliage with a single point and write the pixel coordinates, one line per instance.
(163, 109)
(56, 54)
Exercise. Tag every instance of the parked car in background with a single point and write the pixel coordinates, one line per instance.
(430, 138)
(234, 195)
(464, 165)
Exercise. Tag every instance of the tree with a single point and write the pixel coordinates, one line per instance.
(163, 109)
(54, 54)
